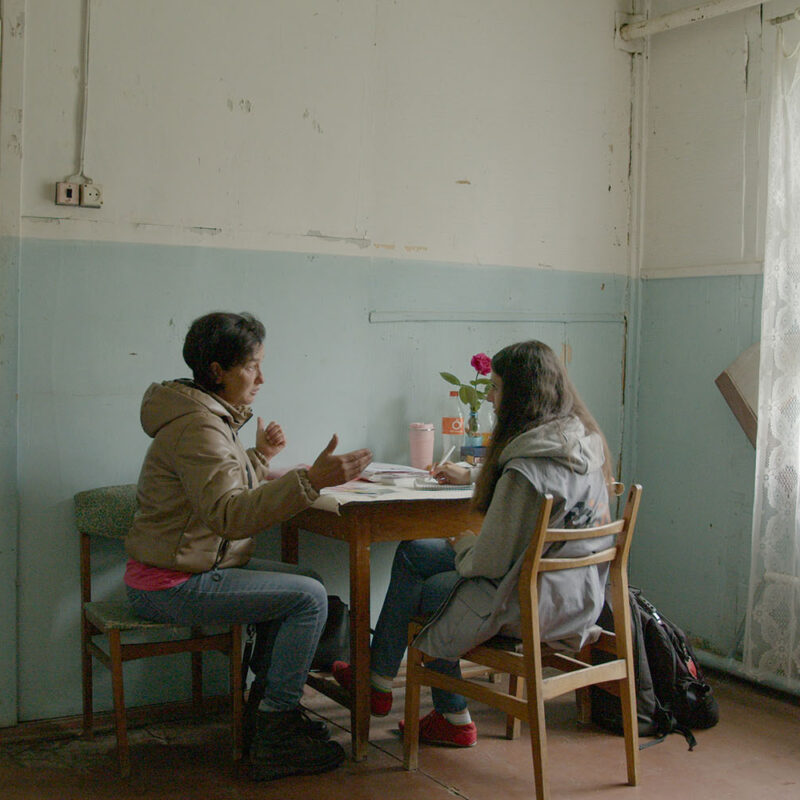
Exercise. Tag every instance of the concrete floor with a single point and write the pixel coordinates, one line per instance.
(753, 753)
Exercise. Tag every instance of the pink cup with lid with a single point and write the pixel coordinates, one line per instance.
(420, 444)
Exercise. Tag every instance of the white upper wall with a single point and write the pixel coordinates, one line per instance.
(460, 130)
(706, 141)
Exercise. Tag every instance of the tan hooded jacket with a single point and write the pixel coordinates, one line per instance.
(202, 496)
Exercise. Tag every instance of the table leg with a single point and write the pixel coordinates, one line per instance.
(289, 547)
(359, 640)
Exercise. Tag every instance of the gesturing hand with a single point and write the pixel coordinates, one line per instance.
(331, 470)
(270, 440)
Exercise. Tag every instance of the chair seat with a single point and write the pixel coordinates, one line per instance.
(109, 615)
(514, 645)
(508, 643)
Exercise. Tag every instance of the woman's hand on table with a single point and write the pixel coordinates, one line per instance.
(450, 473)
(332, 470)
(270, 440)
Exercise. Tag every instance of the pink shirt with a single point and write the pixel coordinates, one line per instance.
(143, 576)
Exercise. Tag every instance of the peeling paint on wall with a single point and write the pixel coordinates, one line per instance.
(243, 105)
(314, 122)
(17, 28)
(362, 243)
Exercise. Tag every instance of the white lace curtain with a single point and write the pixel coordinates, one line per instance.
(772, 637)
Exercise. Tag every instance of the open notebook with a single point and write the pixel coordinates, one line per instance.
(432, 483)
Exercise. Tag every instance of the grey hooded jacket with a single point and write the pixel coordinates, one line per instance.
(559, 458)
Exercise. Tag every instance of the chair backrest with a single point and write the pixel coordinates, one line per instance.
(616, 555)
(107, 511)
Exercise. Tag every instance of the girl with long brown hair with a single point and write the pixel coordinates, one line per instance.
(545, 441)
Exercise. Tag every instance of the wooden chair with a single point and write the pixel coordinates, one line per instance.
(583, 696)
(527, 658)
(108, 512)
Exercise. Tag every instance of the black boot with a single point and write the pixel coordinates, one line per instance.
(313, 728)
(282, 748)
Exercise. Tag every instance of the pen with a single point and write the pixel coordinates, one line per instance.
(446, 455)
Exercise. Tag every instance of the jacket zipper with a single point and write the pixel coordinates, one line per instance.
(221, 550)
(223, 545)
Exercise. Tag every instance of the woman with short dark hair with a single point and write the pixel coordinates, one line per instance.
(202, 498)
(222, 338)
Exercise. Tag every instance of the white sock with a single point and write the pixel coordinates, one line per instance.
(380, 682)
(458, 717)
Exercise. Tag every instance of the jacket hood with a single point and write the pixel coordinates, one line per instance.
(565, 441)
(166, 402)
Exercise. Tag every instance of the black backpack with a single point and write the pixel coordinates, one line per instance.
(672, 695)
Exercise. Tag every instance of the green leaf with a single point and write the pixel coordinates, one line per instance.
(484, 381)
(450, 378)
(469, 397)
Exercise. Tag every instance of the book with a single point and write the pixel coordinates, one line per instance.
(473, 454)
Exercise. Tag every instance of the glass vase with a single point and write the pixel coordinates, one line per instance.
(472, 433)
(486, 423)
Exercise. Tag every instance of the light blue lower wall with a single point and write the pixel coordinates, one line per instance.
(99, 321)
(9, 275)
(691, 553)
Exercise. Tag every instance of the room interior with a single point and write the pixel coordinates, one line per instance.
(392, 187)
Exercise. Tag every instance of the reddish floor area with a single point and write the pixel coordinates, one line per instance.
(753, 753)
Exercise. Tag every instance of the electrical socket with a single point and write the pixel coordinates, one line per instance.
(67, 194)
(91, 195)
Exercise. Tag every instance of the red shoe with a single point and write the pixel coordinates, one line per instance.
(380, 703)
(436, 729)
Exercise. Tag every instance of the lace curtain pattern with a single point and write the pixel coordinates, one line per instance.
(772, 638)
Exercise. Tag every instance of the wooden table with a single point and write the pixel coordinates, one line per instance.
(361, 523)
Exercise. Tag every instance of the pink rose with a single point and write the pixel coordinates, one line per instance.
(481, 363)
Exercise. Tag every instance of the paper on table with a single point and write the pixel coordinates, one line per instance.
(378, 472)
(335, 496)
(359, 487)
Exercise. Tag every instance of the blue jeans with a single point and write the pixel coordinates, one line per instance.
(423, 575)
(287, 604)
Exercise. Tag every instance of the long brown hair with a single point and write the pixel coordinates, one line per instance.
(536, 389)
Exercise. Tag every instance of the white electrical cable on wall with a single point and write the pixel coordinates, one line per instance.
(80, 176)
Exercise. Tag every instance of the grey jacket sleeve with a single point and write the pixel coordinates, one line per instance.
(506, 531)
